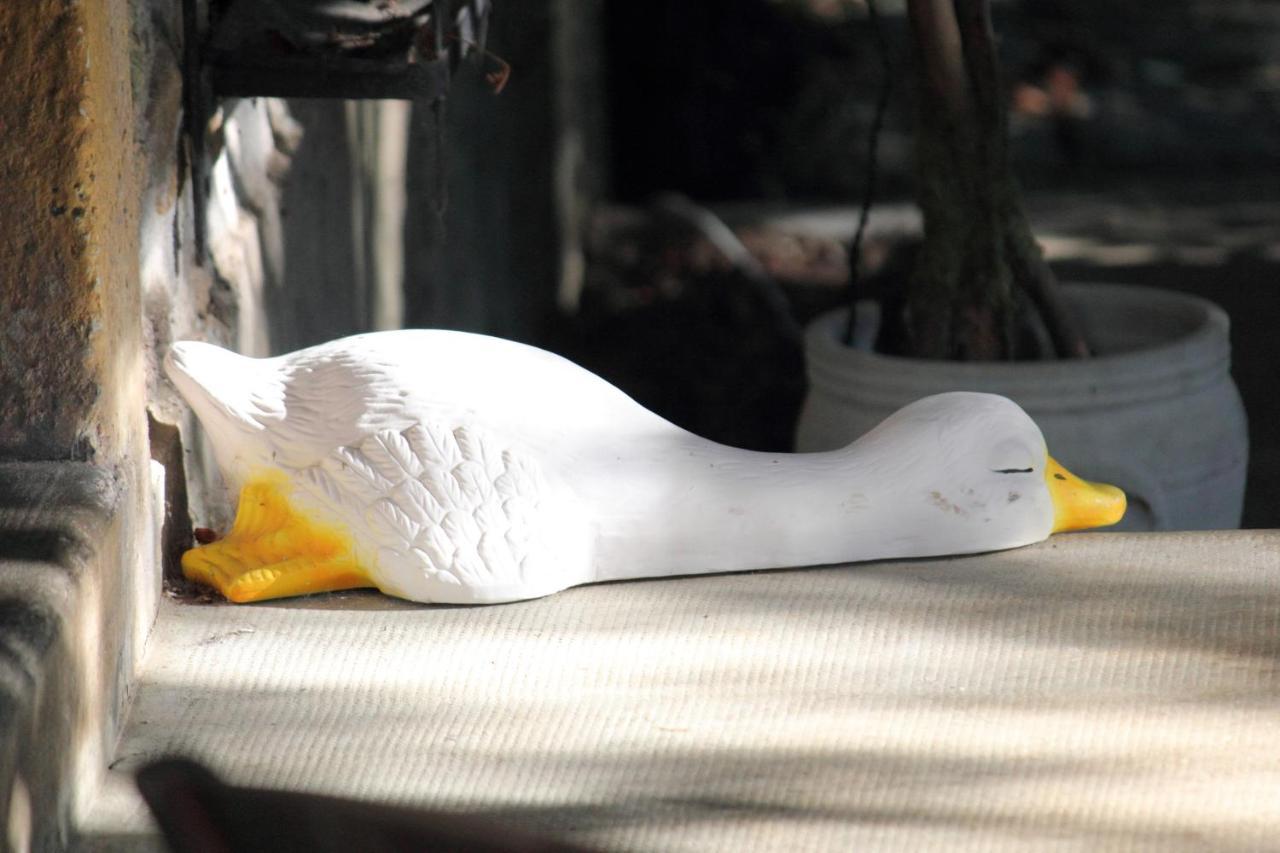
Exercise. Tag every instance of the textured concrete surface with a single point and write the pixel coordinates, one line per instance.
(1101, 691)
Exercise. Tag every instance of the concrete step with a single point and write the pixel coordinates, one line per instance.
(1095, 691)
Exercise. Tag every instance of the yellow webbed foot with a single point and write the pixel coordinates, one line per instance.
(274, 552)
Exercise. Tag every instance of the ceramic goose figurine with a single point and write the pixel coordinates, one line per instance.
(441, 466)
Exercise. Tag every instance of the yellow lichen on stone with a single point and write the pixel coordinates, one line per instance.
(273, 551)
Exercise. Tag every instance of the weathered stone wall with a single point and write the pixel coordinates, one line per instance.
(98, 274)
(69, 195)
(72, 382)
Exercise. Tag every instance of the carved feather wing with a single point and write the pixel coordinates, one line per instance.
(442, 507)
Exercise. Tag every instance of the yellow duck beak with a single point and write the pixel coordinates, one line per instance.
(1079, 504)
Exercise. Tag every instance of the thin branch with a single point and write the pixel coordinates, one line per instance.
(496, 79)
(940, 54)
(1036, 278)
(873, 148)
(982, 62)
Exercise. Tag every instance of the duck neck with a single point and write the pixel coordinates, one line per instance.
(700, 508)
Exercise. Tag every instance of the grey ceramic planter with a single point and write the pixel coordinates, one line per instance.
(1155, 412)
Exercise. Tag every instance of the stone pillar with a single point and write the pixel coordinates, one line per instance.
(72, 394)
(70, 360)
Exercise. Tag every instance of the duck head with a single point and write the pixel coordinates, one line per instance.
(979, 469)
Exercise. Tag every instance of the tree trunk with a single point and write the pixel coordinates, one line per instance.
(978, 254)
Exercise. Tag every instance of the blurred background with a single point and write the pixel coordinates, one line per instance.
(599, 205)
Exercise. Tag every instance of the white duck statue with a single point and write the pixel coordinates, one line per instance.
(449, 467)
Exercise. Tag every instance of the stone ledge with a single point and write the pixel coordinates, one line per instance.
(1096, 691)
(54, 517)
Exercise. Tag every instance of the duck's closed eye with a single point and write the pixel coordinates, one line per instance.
(1012, 470)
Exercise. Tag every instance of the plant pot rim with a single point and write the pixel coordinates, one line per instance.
(1191, 350)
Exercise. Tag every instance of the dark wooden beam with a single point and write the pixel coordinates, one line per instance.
(317, 76)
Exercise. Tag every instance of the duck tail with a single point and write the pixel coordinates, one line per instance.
(227, 391)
